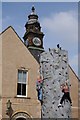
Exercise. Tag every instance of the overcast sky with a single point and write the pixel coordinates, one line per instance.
(59, 22)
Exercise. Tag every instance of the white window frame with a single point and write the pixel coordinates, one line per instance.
(23, 96)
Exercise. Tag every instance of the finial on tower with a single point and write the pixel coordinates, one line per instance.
(33, 9)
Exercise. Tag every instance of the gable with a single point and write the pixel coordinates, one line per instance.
(15, 55)
(12, 42)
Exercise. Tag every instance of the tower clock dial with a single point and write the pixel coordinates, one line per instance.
(36, 41)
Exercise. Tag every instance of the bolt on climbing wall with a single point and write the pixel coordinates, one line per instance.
(54, 69)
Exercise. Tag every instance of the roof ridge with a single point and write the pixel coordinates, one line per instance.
(6, 29)
(74, 72)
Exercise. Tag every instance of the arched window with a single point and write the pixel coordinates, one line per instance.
(20, 116)
(20, 119)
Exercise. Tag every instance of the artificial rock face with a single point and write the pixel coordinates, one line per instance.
(54, 69)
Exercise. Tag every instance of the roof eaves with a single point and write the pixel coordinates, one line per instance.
(74, 73)
(5, 30)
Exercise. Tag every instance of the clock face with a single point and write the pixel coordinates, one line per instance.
(36, 41)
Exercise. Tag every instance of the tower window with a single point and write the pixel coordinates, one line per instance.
(22, 83)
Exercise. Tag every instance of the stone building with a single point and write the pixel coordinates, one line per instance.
(19, 63)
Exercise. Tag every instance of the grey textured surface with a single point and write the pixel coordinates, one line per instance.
(54, 68)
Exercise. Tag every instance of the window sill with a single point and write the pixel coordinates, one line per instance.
(22, 97)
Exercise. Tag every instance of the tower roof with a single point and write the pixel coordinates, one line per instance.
(33, 17)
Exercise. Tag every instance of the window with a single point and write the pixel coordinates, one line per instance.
(22, 83)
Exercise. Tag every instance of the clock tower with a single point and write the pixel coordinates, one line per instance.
(33, 37)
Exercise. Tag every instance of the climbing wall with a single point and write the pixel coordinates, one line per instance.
(54, 69)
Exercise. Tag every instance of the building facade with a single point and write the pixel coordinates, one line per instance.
(19, 63)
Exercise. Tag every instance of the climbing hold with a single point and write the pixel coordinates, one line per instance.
(44, 97)
(54, 90)
(62, 115)
(64, 55)
(59, 55)
(43, 114)
(58, 80)
(50, 89)
(59, 73)
(53, 102)
(62, 67)
(46, 92)
(50, 64)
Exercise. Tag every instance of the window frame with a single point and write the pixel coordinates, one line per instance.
(23, 96)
